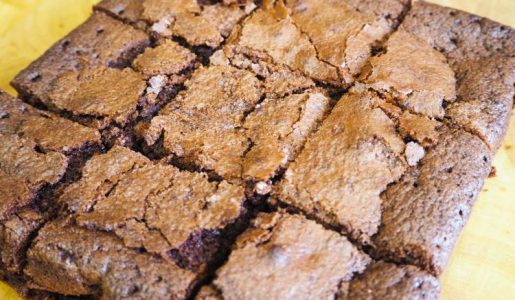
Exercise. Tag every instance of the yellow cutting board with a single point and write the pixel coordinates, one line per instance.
(483, 263)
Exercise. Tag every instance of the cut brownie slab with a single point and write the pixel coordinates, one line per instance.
(388, 281)
(346, 165)
(257, 139)
(177, 215)
(291, 257)
(332, 40)
(33, 158)
(199, 23)
(482, 54)
(74, 261)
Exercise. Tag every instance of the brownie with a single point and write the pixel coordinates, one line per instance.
(482, 55)
(99, 42)
(178, 215)
(424, 212)
(388, 281)
(293, 257)
(74, 261)
(259, 136)
(332, 40)
(278, 149)
(346, 165)
(286, 256)
(199, 23)
(16, 233)
(32, 156)
(32, 160)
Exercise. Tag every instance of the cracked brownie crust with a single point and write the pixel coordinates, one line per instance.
(209, 149)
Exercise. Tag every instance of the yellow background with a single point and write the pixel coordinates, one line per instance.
(483, 263)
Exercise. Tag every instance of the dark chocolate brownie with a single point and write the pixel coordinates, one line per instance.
(32, 158)
(286, 256)
(74, 261)
(175, 214)
(101, 41)
(292, 257)
(258, 139)
(199, 23)
(372, 124)
(482, 55)
(333, 40)
(343, 169)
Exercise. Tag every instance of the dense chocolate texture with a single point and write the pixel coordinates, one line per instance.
(259, 136)
(32, 159)
(369, 126)
(199, 23)
(74, 261)
(156, 207)
(99, 42)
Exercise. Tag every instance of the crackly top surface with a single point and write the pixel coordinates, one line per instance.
(290, 257)
(332, 40)
(258, 139)
(200, 23)
(346, 165)
(148, 205)
(482, 54)
(99, 92)
(32, 155)
(100, 41)
(418, 105)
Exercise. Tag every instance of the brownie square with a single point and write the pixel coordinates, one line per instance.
(333, 40)
(75, 261)
(291, 257)
(178, 215)
(32, 156)
(260, 135)
(99, 42)
(346, 165)
(198, 23)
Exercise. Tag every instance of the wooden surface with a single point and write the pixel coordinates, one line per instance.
(483, 262)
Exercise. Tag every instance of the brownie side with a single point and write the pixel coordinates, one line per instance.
(74, 261)
(425, 211)
(389, 281)
(261, 134)
(286, 256)
(481, 53)
(178, 215)
(346, 165)
(100, 41)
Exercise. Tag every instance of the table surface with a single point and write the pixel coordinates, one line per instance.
(483, 263)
